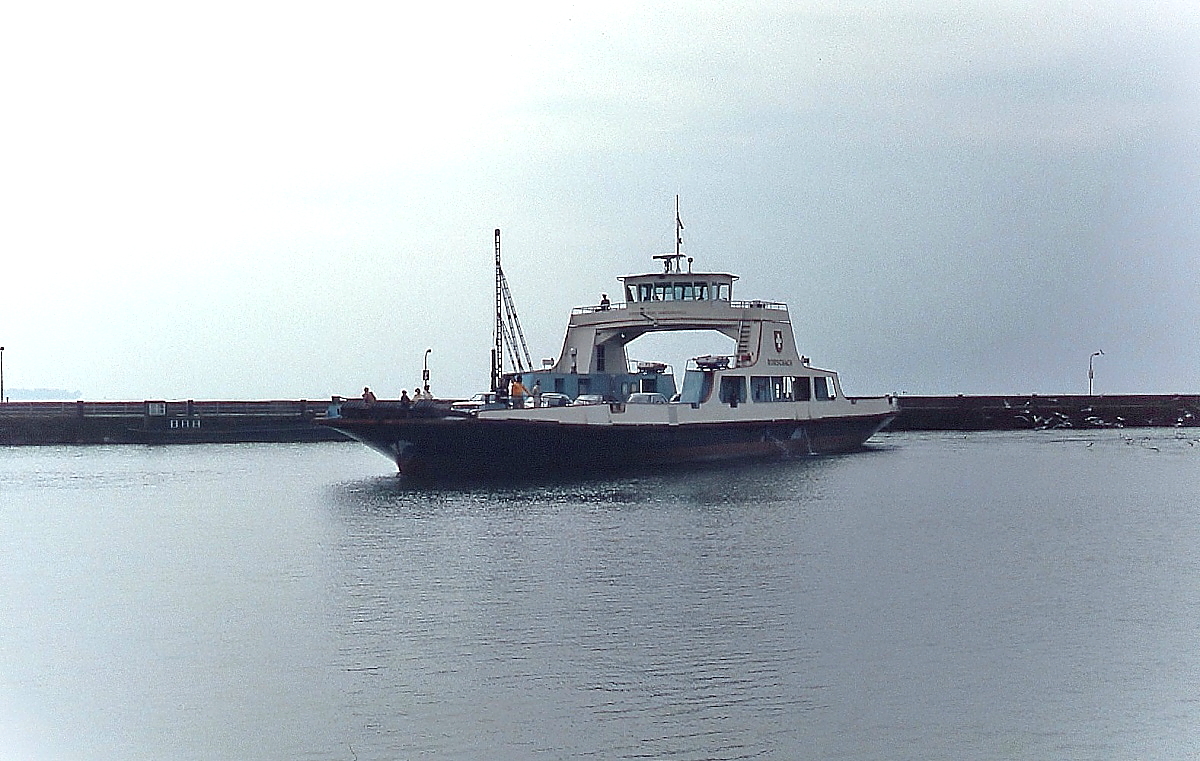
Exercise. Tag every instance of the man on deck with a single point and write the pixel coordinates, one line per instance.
(517, 392)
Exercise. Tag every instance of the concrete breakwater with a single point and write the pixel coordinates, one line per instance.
(1034, 411)
(193, 422)
(164, 422)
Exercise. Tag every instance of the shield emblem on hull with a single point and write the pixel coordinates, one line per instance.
(778, 341)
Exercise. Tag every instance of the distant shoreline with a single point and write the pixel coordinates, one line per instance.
(41, 395)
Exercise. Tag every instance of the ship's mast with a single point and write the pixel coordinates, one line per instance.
(670, 260)
(678, 230)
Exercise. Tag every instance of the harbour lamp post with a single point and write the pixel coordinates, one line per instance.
(1091, 371)
(425, 372)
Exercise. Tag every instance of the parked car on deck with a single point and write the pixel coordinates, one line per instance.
(583, 399)
(483, 401)
(643, 397)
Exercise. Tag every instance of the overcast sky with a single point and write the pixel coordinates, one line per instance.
(296, 200)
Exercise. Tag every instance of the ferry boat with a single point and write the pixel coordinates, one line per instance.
(765, 400)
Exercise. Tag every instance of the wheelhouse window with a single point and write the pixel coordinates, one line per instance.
(677, 291)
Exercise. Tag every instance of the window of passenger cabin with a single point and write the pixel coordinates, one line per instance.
(781, 388)
(722, 291)
(702, 291)
(802, 386)
(773, 388)
(733, 389)
(821, 388)
(760, 388)
(646, 292)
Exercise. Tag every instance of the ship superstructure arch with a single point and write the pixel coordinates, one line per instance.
(672, 300)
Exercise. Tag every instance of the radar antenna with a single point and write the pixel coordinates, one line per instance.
(508, 329)
(671, 262)
(678, 229)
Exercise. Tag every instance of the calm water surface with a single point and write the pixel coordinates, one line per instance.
(989, 596)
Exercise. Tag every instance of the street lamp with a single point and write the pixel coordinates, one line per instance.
(425, 372)
(1091, 372)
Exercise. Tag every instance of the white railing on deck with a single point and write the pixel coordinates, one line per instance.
(754, 304)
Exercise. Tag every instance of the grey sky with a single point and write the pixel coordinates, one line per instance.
(294, 200)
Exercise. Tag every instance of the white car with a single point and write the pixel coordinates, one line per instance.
(644, 397)
(484, 401)
(583, 399)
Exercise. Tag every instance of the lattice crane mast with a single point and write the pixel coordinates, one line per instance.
(508, 334)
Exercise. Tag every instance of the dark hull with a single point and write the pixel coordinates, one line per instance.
(456, 447)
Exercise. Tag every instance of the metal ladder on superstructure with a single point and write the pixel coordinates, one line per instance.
(743, 342)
